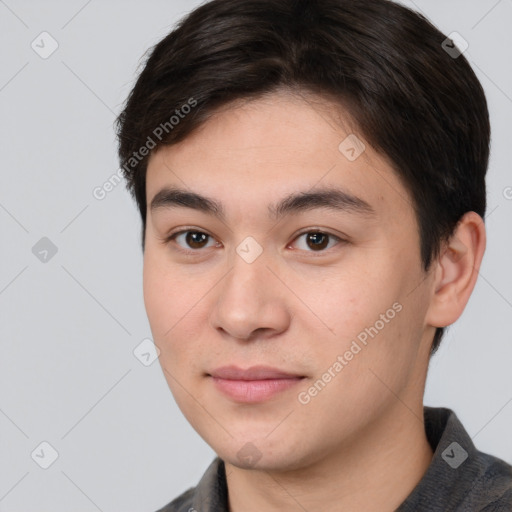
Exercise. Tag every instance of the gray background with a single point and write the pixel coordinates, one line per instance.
(69, 326)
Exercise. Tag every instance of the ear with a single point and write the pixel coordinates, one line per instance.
(457, 271)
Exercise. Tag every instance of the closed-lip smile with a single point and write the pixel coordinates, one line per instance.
(254, 384)
(253, 373)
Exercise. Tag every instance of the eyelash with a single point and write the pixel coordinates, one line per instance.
(196, 252)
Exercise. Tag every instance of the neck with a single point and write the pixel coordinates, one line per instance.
(376, 470)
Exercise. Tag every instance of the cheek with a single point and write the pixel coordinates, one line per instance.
(175, 305)
(346, 305)
(371, 361)
(158, 301)
(164, 308)
(370, 321)
(168, 296)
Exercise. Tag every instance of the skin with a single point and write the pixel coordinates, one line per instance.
(359, 443)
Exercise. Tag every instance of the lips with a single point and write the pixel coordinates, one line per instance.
(253, 373)
(255, 384)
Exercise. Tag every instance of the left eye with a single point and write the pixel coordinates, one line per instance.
(318, 240)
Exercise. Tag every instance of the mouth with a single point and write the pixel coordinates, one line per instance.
(255, 384)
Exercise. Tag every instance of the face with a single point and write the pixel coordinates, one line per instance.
(301, 256)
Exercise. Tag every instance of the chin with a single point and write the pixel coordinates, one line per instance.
(258, 453)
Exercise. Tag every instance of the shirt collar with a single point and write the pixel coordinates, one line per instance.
(211, 493)
(455, 464)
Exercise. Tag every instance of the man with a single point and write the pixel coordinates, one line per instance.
(311, 180)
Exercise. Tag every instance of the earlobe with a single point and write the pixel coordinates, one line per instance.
(457, 271)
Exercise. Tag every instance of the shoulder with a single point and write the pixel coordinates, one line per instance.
(494, 487)
(209, 495)
(182, 503)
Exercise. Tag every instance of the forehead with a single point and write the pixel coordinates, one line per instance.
(256, 152)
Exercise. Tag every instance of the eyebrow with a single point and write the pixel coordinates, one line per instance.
(326, 198)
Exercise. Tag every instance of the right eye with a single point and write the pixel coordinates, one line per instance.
(192, 241)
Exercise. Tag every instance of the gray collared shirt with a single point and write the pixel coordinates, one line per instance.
(459, 478)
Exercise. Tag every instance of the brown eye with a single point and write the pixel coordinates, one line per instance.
(195, 239)
(318, 241)
(191, 240)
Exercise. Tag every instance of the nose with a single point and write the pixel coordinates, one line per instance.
(251, 302)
